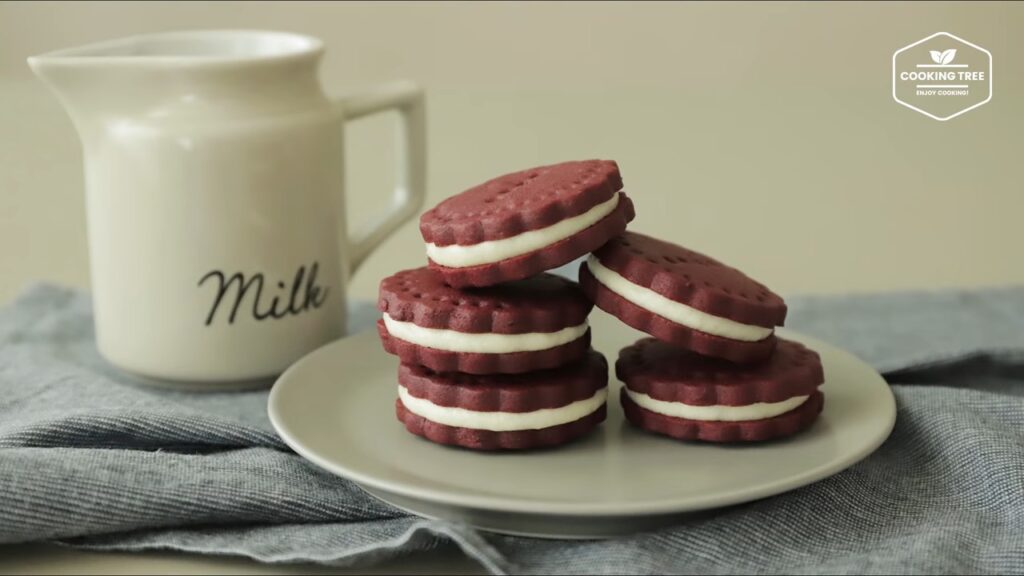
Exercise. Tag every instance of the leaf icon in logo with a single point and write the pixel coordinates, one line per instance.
(936, 56)
(948, 56)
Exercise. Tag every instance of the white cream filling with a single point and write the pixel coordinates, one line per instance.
(756, 411)
(488, 343)
(502, 421)
(675, 311)
(455, 256)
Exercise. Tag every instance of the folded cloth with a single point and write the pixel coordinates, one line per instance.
(90, 458)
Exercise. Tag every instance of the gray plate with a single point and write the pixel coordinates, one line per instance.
(335, 407)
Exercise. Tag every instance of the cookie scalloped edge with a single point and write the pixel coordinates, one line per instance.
(508, 392)
(797, 380)
(668, 331)
(497, 226)
(469, 317)
(542, 259)
(483, 363)
(643, 272)
(476, 439)
(783, 425)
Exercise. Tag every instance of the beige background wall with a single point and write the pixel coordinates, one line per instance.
(764, 134)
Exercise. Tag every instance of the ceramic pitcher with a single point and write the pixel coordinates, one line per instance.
(214, 174)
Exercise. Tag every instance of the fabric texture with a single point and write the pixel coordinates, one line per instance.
(90, 458)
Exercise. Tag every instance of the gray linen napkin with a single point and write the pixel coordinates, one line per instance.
(90, 459)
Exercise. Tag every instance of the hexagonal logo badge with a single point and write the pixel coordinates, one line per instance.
(942, 76)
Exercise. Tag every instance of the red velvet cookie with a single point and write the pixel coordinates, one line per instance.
(524, 223)
(692, 397)
(505, 411)
(531, 324)
(683, 297)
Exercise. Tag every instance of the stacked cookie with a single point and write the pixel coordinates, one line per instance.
(495, 354)
(714, 371)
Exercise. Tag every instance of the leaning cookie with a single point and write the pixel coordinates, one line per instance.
(692, 397)
(505, 411)
(524, 223)
(532, 324)
(683, 297)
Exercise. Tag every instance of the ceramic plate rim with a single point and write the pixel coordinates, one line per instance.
(503, 504)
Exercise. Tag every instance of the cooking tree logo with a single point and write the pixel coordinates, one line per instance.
(942, 76)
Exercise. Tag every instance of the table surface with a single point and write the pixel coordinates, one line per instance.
(736, 134)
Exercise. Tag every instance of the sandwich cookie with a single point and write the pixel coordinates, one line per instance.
(524, 223)
(683, 297)
(691, 397)
(504, 411)
(531, 324)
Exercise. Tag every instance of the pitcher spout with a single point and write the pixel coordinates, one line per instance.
(69, 82)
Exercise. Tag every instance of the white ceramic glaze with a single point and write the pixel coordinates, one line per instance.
(213, 160)
(615, 481)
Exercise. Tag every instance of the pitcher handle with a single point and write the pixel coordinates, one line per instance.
(411, 169)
